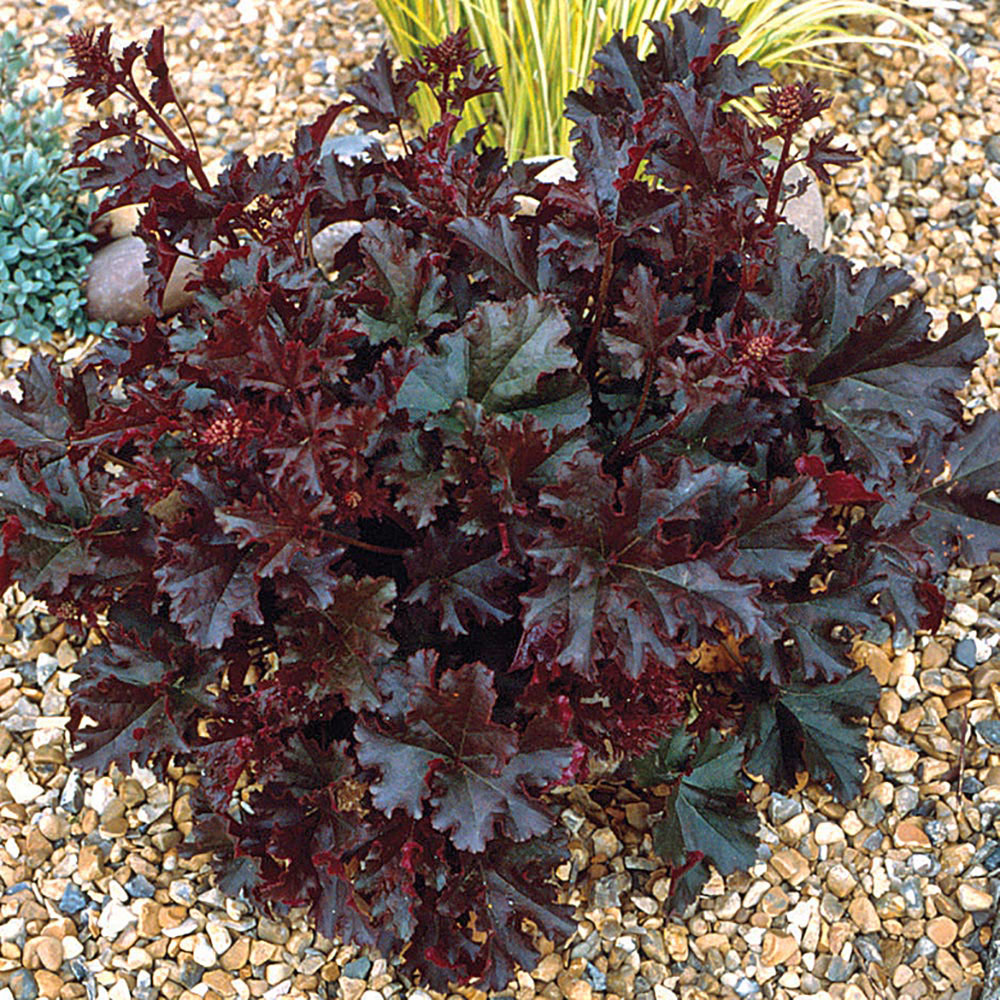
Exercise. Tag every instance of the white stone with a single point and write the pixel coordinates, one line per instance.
(971, 898)
(185, 927)
(218, 936)
(72, 948)
(800, 914)
(282, 988)
(248, 11)
(987, 298)
(203, 952)
(965, 614)
(114, 919)
(22, 789)
(992, 190)
(827, 833)
(101, 794)
(908, 688)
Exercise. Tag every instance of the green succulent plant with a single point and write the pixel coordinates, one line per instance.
(44, 235)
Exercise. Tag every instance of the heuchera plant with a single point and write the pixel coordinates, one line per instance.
(390, 552)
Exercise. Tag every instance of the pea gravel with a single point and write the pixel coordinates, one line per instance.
(890, 897)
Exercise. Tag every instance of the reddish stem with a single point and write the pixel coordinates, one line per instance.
(619, 449)
(771, 213)
(602, 297)
(653, 436)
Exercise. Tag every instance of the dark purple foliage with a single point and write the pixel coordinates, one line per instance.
(390, 553)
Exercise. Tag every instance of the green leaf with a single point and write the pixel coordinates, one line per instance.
(416, 292)
(663, 763)
(709, 812)
(810, 725)
(510, 358)
(952, 495)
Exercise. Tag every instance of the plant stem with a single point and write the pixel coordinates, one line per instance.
(602, 297)
(358, 544)
(653, 436)
(770, 214)
(614, 458)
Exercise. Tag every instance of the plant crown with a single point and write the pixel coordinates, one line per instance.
(391, 553)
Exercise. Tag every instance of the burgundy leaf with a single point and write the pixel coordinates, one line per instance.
(211, 585)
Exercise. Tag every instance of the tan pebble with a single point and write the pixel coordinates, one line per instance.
(330, 973)
(548, 968)
(172, 916)
(840, 881)
(942, 931)
(933, 656)
(90, 863)
(138, 958)
(43, 953)
(706, 941)
(675, 938)
(947, 966)
(890, 705)
(972, 899)
(37, 848)
(792, 831)
(777, 948)
(934, 769)
(854, 992)
(606, 843)
(277, 972)
(775, 901)
(874, 657)
(908, 833)
(219, 981)
(53, 826)
(637, 815)
(897, 759)
(910, 720)
(66, 655)
(132, 792)
(851, 823)
(116, 827)
(182, 812)
(49, 984)
(573, 987)
(262, 951)
(790, 865)
(149, 918)
(839, 934)
(272, 931)
(862, 912)
(236, 957)
(351, 989)
(961, 284)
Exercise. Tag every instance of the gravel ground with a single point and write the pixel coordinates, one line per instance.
(889, 898)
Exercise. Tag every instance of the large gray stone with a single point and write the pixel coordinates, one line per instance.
(805, 212)
(116, 284)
